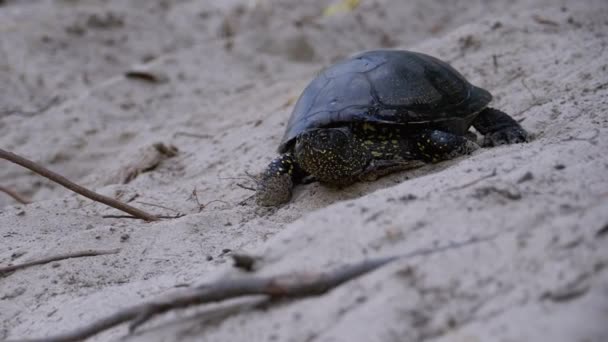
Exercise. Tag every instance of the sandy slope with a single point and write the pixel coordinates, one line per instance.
(233, 71)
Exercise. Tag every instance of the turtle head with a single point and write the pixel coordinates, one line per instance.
(323, 140)
(331, 155)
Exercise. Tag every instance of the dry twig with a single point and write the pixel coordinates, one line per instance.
(204, 205)
(544, 21)
(159, 206)
(192, 135)
(16, 111)
(534, 98)
(178, 215)
(30, 165)
(245, 187)
(15, 195)
(466, 185)
(87, 253)
(194, 196)
(292, 285)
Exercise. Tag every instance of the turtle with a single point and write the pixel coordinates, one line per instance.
(379, 112)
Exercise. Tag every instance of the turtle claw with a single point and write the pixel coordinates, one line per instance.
(274, 190)
(506, 136)
(275, 184)
(469, 147)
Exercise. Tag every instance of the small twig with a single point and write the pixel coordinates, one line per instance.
(178, 215)
(159, 206)
(596, 133)
(466, 185)
(42, 109)
(292, 285)
(132, 198)
(15, 195)
(534, 98)
(513, 76)
(544, 21)
(195, 196)
(252, 177)
(192, 135)
(86, 253)
(203, 206)
(30, 165)
(245, 187)
(249, 177)
(245, 200)
(534, 104)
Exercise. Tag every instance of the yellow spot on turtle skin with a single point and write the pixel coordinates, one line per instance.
(368, 142)
(368, 127)
(377, 154)
(428, 141)
(395, 142)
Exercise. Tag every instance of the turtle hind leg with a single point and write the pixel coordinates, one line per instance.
(434, 146)
(276, 183)
(499, 128)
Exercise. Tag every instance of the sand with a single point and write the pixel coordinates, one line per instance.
(228, 75)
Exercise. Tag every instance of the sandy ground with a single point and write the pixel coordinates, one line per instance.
(229, 74)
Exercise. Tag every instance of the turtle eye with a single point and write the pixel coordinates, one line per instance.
(339, 134)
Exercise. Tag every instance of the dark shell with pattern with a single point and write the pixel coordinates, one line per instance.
(392, 87)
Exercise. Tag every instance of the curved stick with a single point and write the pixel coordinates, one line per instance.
(14, 195)
(44, 172)
(86, 253)
(291, 285)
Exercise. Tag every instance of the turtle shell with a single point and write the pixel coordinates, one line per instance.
(391, 87)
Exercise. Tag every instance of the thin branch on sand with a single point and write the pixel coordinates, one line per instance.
(466, 185)
(245, 187)
(170, 217)
(55, 100)
(202, 206)
(159, 206)
(30, 165)
(14, 195)
(86, 253)
(291, 285)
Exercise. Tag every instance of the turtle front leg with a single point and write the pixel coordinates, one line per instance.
(276, 183)
(499, 128)
(434, 146)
